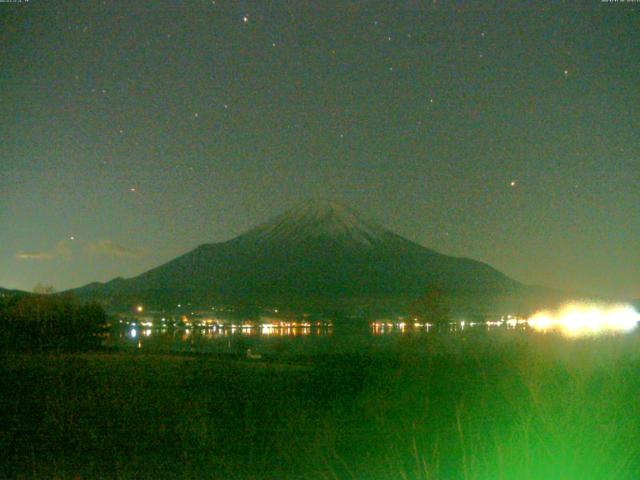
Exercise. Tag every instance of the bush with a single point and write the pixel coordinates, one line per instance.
(46, 323)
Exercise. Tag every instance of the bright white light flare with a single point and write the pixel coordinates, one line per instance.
(581, 319)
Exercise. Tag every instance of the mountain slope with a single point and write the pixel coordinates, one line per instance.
(6, 293)
(318, 253)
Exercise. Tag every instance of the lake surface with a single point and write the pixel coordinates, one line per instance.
(301, 338)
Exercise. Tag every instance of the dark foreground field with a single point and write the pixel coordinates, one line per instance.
(527, 407)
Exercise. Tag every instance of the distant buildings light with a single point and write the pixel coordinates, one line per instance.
(582, 319)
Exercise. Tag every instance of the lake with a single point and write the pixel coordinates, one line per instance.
(291, 338)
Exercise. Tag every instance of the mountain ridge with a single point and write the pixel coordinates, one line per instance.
(8, 292)
(318, 253)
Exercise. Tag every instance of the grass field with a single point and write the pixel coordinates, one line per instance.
(464, 407)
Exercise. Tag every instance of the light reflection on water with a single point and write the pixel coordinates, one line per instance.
(262, 330)
(217, 338)
(573, 320)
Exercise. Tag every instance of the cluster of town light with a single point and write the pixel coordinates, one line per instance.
(222, 327)
(573, 320)
(581, 319)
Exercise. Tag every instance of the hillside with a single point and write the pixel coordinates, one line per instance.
(319, 255)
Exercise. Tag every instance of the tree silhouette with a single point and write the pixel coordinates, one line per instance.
(433, 307)
(45, 322)
(42, 289)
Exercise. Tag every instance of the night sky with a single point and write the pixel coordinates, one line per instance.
(131, 132)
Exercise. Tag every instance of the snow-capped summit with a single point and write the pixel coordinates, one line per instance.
(318, 219)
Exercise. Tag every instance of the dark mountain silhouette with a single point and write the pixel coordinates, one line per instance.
(4, 292)
(317, 254)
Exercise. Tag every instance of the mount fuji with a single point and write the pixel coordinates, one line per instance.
(318, 254)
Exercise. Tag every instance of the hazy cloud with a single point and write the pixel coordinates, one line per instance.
(112, 249)
(60, 250)
(34, 255)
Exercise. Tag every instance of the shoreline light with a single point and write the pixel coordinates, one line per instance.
(584, 319)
